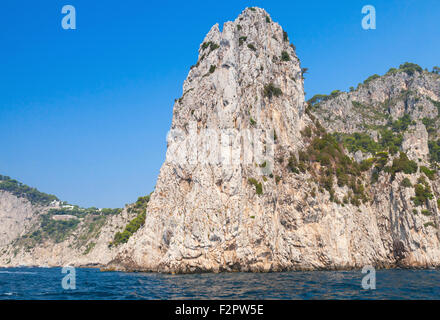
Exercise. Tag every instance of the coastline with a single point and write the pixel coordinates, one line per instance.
(107, 268)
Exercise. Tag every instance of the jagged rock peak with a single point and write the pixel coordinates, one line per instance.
(253, 29)
(250, 18)
(251, 54)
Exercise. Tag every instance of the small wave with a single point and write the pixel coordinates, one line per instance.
(8, 294)
(18, 272)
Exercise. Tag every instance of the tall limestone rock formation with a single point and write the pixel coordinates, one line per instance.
(252, 181)
(205, 213)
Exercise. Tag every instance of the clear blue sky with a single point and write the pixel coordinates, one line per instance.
(84, 113)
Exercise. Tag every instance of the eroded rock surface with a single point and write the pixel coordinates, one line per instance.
(261, 213)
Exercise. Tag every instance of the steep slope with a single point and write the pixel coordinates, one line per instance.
(39, 230)
(253, 181)
(15, 216)
(205, 212)
(405, 91)
(390, 125)
(19, 206)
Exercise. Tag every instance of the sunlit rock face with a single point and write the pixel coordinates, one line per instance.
(227, 199)
(241, 102)
(15, 216)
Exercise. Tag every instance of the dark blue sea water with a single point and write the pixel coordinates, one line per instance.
(45, 283)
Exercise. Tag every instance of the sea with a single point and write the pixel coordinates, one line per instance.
(93, 284)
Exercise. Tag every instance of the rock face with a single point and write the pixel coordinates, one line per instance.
(220, 205)
(378, 100)
(16, 214)
(204, 214)
(415, 142)
(86, 244)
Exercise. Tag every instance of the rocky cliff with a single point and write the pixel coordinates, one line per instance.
(256, 179)
(16, 215)
(39, 230)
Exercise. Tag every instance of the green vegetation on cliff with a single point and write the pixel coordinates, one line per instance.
(212, 46)
(57, 230)
(130, 229)
(434, 150)
(334, 165)
(423, 192)
(50, 229)
(371, 78)
(402, 164)
(318, 98)
(258, 186)
(82, 212)
(410, 68)
(285, 56)
(139, 207)
(271, 90)
(21, 190)
(407, 67)
(358, 141)
(390, 138)
(59, 223)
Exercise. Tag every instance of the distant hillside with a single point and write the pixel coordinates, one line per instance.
(38, 229)
(23, 191)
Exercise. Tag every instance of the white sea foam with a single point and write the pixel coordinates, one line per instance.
(18, 272)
